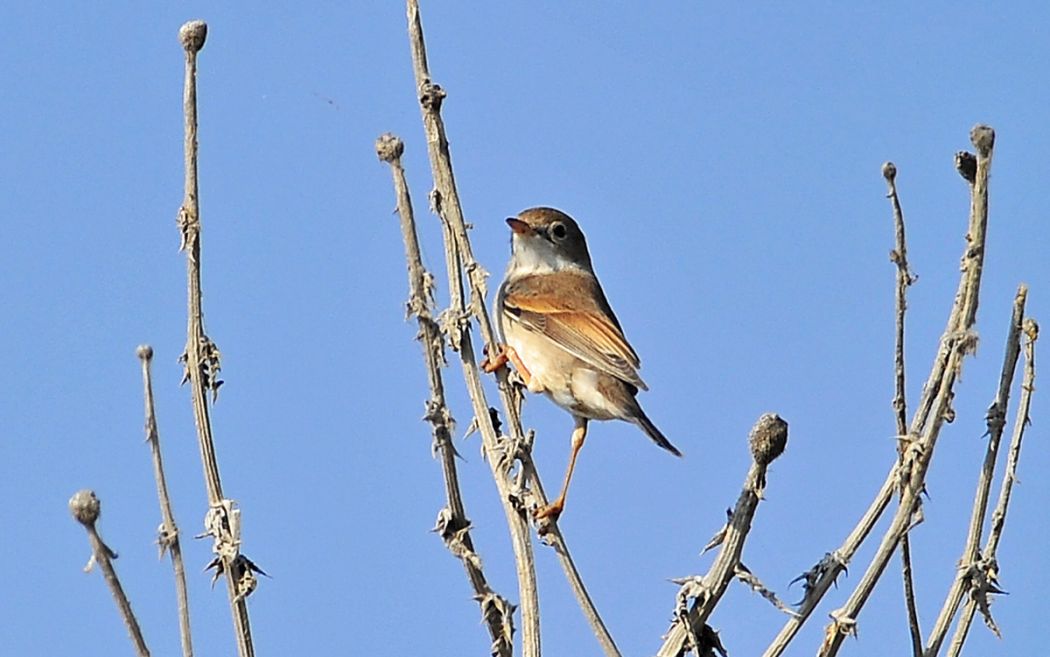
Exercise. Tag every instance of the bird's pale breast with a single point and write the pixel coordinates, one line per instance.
(568, 381)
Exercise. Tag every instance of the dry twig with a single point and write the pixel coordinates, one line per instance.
(86, 508)
(768, 439)
(500, 452)
(202, 363)
(899, 256)
(167, 533)
(985, 571)
(996, 422)
(935, 405)
(445, 202)
(452, 524)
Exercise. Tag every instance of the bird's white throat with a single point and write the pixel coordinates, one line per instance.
(535, 255)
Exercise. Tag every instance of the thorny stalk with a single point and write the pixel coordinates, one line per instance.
(86, 508)
(688, 631)
(452, 524)
(202, 363)
(984, 576)
(958, 341)
(501, 455)
(996, 422)
(445, 202)
(899, 256)
(168, 532)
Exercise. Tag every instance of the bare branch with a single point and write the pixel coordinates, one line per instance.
(996, 420)
(168, 532)
(445, 201)
(899, 256)
(452, 524)
(986, 570)
(459, 258)
(86, 508)
(934, 408)
(768, 439)
(202, 361)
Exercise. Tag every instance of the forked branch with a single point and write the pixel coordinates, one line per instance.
(935, 407)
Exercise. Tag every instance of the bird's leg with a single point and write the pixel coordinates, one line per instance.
(554, 509)
(507, 352)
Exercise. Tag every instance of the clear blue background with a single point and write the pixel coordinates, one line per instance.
(724, 162)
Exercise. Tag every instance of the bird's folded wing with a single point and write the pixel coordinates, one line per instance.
(569, 309)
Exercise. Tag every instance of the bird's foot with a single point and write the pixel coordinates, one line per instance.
(507, 353)
(492, 363)
(550, 512)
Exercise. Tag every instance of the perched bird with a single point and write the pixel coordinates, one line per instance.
(561, 335)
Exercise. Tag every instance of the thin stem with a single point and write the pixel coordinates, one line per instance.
(445, 201)
(956, 344)
(453, 524)
(202, 360)
(899, 256)
(86, 508)
(708, 590)
(987, 569)
(459, 256)
(996, 420)
(168, 540)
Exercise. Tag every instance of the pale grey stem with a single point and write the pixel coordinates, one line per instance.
(959, 341)
(446, 203)
(768, 438)
(458, 257)
(996, 420)
(168, 540)
(86, 508)
(821, 577)
(453, 524)
(899, 256)
(988, 565)
(983, 138)
(202, 356)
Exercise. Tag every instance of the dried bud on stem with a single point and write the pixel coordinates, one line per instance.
(768, 438)
(389, 147)
(85, 507)
(192, 35)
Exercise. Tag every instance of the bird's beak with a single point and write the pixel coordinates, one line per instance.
(518, 226)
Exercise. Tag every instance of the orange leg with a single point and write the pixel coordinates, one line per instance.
(507, 352)
(554, 509)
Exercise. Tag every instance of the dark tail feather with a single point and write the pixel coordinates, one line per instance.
(648, 427)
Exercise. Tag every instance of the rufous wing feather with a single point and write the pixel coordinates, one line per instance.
(569, 308)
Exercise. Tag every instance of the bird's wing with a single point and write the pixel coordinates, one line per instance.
(570, 309)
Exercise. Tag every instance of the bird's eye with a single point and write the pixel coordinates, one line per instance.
(558, 230)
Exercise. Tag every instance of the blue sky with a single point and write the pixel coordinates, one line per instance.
(724, 163)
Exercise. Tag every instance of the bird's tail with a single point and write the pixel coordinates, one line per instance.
(643, 421)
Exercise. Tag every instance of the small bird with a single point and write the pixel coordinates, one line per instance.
(560, 334)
